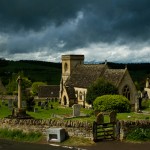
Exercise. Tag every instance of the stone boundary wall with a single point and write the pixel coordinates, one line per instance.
(123, 127)
(73, 128)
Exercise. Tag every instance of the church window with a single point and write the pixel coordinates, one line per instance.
(126, 92)
(65, 67)
(80, 95)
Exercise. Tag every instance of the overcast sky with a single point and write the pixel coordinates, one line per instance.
(112, 30)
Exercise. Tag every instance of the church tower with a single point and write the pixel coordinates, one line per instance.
(69, 62)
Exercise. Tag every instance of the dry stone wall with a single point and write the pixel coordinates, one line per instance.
(73, 128)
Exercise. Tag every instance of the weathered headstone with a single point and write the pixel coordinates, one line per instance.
(76, 110)
(35, 110)
(10, 103)
(24, 104)
(3, 102)
(100, 118)
(113, 117)
(42, 105)
(39, 103)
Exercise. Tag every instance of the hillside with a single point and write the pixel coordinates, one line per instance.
(35, 70)
(51, 72)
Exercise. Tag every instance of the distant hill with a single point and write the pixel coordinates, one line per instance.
(51, 72)
(35, 70)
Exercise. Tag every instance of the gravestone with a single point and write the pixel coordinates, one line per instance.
(35, 110)
(3, 102)
(100, 118)
(10, 103)
(39, 103)
(24, 104)
(56, 134)
(113, 117)
(76, 110)
(42, 105)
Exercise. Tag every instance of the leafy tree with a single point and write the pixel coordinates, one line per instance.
(98, 88)
(116, 103)
(35, 87)
(13, 85)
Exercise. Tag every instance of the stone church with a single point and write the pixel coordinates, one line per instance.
(77, 76)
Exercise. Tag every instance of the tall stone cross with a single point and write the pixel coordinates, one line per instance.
(19, 92)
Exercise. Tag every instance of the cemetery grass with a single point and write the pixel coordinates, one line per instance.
(60, 112)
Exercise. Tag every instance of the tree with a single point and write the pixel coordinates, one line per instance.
(13, 85)
(98, 88)
(35, 87)
(109, 103)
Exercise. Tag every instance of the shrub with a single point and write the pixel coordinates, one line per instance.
(139, 134)
(108, 103)
(145, 104)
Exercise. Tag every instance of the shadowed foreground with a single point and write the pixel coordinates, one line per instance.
(105, 145)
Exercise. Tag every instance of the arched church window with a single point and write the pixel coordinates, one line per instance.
(65, 67)
(80, 95)
(126, 92)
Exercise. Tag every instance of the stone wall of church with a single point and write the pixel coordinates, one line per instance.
(127, 80)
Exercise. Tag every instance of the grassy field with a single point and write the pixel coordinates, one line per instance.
(66, 113)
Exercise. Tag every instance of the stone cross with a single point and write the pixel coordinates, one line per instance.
(19, 92)
(76, 110)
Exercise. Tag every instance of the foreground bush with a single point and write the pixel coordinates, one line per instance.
(19, 135)
(116, 103)
(139, 134)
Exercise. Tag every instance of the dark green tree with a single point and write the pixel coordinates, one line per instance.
(98, 88)
(35, 87)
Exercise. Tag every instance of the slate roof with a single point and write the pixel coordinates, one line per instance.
(114, 76)
(84, 75)
(48, 91)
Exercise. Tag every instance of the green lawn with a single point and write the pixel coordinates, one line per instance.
(66, 112)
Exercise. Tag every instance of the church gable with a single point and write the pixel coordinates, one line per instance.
(114, 76)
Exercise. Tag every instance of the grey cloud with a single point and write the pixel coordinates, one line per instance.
(62, 25)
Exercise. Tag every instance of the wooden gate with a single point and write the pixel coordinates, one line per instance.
(102, 130)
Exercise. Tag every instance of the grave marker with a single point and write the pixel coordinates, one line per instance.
(76, 110)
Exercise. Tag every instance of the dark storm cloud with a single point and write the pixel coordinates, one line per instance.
(60, 25)
(34, 14)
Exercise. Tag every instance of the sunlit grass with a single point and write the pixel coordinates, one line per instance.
(19, 135)
(67, 112)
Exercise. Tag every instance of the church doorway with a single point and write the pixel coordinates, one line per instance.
(65, 100)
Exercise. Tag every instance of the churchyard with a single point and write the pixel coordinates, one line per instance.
(52, 109)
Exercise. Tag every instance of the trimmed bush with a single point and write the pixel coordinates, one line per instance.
(109, 103)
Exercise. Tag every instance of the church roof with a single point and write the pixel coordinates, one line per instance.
(84, 75)
(114, 76)
(48, 91)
